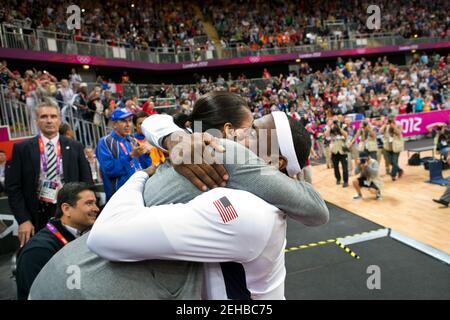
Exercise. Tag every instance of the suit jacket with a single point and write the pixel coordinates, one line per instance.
(22, 174)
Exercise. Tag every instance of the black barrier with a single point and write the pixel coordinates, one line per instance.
(8, 229)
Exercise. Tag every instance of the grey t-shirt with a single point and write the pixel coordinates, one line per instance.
(75, 273)
(156, 279)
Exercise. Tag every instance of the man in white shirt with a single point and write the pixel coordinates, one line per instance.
(218, 226)
(221, 225)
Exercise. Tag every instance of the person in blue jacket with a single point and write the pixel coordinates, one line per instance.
(118, 153)
(145, 160)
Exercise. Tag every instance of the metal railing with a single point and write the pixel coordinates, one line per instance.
(20, 117)
(16, 115)
(44, 40)
(325, 43)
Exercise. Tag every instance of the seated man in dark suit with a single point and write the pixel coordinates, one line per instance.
(76, 213)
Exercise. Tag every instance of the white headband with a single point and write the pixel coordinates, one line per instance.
(285, 142)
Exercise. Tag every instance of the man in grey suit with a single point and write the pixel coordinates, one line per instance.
(100, 279)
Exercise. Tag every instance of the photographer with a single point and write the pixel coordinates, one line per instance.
(441, 135)
(369, 177)
(338, 150)
(445, 198)
(379, 122)
(368, 141)
(393, 144)
(353, 154)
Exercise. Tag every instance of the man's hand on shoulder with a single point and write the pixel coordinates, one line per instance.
(194, 161)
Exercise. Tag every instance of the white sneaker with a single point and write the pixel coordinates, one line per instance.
(357, 196)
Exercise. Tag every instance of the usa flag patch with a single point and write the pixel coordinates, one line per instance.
(226, 209)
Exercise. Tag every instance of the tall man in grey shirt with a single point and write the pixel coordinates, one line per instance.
(100, 279)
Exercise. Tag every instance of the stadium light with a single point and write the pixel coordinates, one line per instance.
(132, 5)
(298, 60)
(85, 66)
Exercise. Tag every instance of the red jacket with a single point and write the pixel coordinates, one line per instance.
(147, 107)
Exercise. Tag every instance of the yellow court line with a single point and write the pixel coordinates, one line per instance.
(321, 243)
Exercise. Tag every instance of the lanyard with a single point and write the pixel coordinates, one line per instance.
(125, 150)
(57, 234)
(132, 163)
(44, 157)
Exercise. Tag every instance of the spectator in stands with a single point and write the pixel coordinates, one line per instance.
(39, 167)
(118, 153)
(29, 86)
(148, 106)
(65, 94)
(44, 90)
(5, 73)
(418, 102)
(96, 106)
(2, 171)
(145, 159)
(93, 163)
(293, 114)
(80, 101)
(132, 106)
(75, 214)
(74, 78)
(66, 131)
(125, 77)
(109, 103)
(154, 156)
(368, 170)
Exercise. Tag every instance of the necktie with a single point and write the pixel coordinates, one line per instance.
(51, 161)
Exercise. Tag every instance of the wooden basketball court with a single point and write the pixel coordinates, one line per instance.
(406, 207)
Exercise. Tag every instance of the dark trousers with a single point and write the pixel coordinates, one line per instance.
(393, 158)
(372, 154)
(342, 158)
(446, 195)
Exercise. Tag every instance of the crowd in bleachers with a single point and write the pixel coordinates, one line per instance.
(251, 24)
(352, 86)
(140, 24)
(269, 24)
